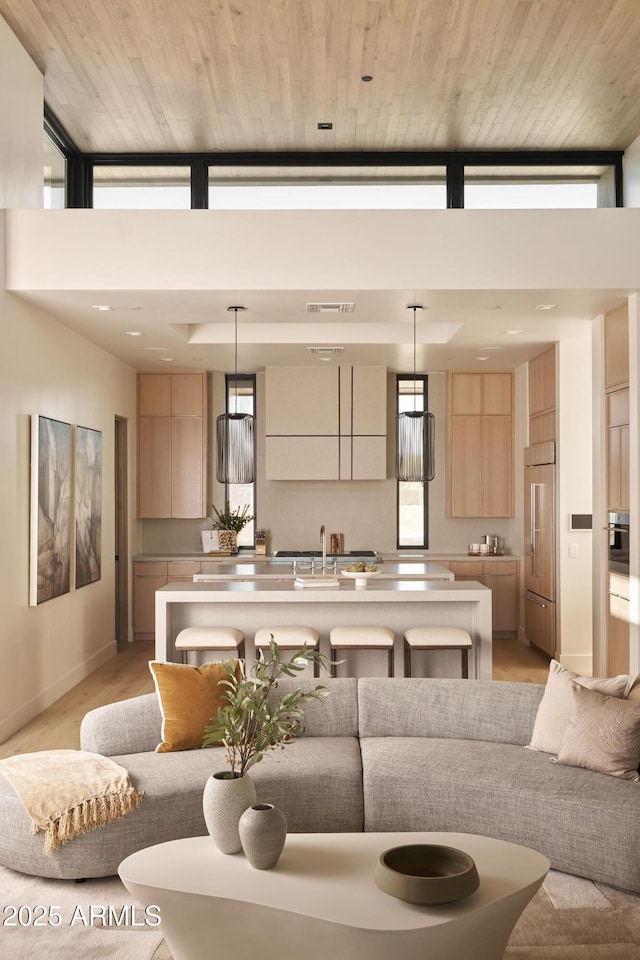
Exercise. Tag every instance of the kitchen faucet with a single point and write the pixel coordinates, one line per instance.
(323, 547)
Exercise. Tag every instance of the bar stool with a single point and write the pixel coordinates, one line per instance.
(362, 638)
(289, 638)
(437, 638)
(209, 638)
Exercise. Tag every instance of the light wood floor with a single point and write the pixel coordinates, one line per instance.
(127, 675)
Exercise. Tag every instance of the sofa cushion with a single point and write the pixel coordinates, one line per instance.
(602, 734)
(333, 716)
(127, 726)
(584, 822)
(317, 782)
(189, 697)
(551, 719)
(465, 709)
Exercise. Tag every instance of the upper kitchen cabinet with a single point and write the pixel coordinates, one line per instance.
(616, 348)
(480, 477)
(172, 440)
(542, 397)
(326, 423)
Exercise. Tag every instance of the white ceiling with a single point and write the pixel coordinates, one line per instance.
(194, 330)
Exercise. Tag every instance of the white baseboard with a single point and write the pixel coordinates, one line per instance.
(15, 721)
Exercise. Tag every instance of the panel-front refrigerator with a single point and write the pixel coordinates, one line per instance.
(539, 538)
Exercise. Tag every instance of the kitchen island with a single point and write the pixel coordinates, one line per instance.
(397, 604)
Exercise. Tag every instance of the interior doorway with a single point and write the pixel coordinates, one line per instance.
(121, 531)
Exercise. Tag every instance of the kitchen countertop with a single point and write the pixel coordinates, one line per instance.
(284, 571)
(398, 556)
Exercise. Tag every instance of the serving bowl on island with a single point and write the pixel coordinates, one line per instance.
(360, 577)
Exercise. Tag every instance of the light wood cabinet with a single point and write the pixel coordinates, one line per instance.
(326, 423)
(540, 623)
(172, 445)
(501, 576)
(542, 397)
(618, 632)
(616, 347)
(149, 576)
(480, 478)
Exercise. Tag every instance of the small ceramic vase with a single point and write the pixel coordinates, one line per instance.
(223, 803)
(263, 830)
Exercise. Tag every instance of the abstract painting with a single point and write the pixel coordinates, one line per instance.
(88, 502)
(50, 534)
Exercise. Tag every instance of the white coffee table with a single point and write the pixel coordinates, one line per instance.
(320, 902)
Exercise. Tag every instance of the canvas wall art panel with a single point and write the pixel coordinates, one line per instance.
(88, 503)
(50, 532)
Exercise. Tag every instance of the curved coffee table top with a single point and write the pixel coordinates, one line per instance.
(329, 878)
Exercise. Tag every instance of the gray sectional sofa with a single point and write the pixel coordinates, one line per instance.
(378, 755)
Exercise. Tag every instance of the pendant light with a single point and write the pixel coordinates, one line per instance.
(235, 434)
(415, 433)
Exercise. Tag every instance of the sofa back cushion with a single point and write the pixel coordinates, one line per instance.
(490, 710)
(127, 726)
(333, 716)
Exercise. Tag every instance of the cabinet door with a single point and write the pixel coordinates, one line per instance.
(618, 638)
(154, 394)
(466, 393)
(369, 458)
(616, 347)
(144, 604)
(154, 467)
(187, 468)
(497, 391)
(497, 467)
(187, 394)
(542, 383)
(466, 464)
(540, 623)
(504, 602)
(467, 569)
(368, 401)
(302, 458)
(301, 401)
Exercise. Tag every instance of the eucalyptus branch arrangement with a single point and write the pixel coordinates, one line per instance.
(252, 720)
(228, 519)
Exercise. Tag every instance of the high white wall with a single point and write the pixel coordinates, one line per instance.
(47, 369)
(21, 118)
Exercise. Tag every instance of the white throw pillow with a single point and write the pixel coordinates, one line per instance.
(553, 712)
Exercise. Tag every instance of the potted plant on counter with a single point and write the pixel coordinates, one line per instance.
(252, 721)
(230, 522)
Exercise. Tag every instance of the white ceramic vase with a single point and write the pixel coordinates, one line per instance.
(223, 803)
(263, 830)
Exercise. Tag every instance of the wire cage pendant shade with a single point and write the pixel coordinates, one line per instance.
(415, 434)
(235, 435)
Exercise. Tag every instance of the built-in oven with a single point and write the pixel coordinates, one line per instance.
(619, 543)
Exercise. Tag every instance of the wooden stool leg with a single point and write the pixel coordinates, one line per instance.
(241, 650)
(407, 659)
(465, 663)
(316, 667)
(390, 667)
(334, 666)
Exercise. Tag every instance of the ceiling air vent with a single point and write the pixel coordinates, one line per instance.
(330, 307)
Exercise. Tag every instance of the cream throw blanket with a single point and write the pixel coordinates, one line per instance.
(69, 792)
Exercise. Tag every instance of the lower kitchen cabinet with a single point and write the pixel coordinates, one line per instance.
(149, 576)
(501, 576)
(540, 623)
(618, 632)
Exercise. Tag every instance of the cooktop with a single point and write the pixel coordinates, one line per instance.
(308, 554)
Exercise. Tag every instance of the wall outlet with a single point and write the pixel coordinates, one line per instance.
(573, 549)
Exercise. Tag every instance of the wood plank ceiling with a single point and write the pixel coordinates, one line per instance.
(245, 75)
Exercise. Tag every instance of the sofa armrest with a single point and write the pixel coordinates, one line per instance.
(129, 726)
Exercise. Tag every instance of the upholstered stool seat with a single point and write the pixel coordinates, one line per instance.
(437, 638)
(362, 638)
(289, 638)
(210, 638)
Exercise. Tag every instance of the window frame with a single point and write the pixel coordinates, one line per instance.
(230, 378)
(424, 378)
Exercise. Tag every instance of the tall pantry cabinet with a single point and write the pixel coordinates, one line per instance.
(172, 444)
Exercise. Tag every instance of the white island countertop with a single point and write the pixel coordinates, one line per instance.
(397, 604)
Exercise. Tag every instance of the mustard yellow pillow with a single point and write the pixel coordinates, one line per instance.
(189, 697)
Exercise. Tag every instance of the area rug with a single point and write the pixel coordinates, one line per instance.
(568, 919)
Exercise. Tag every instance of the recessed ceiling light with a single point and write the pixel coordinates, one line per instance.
(367, 78)
(133, 333)
(160, 349)
(134, 308)
(166, 359)
(482, 358)
(513, 333)
(494, 306)
(492, 349)
(325, 126)
(100, 306)
(546, 306)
